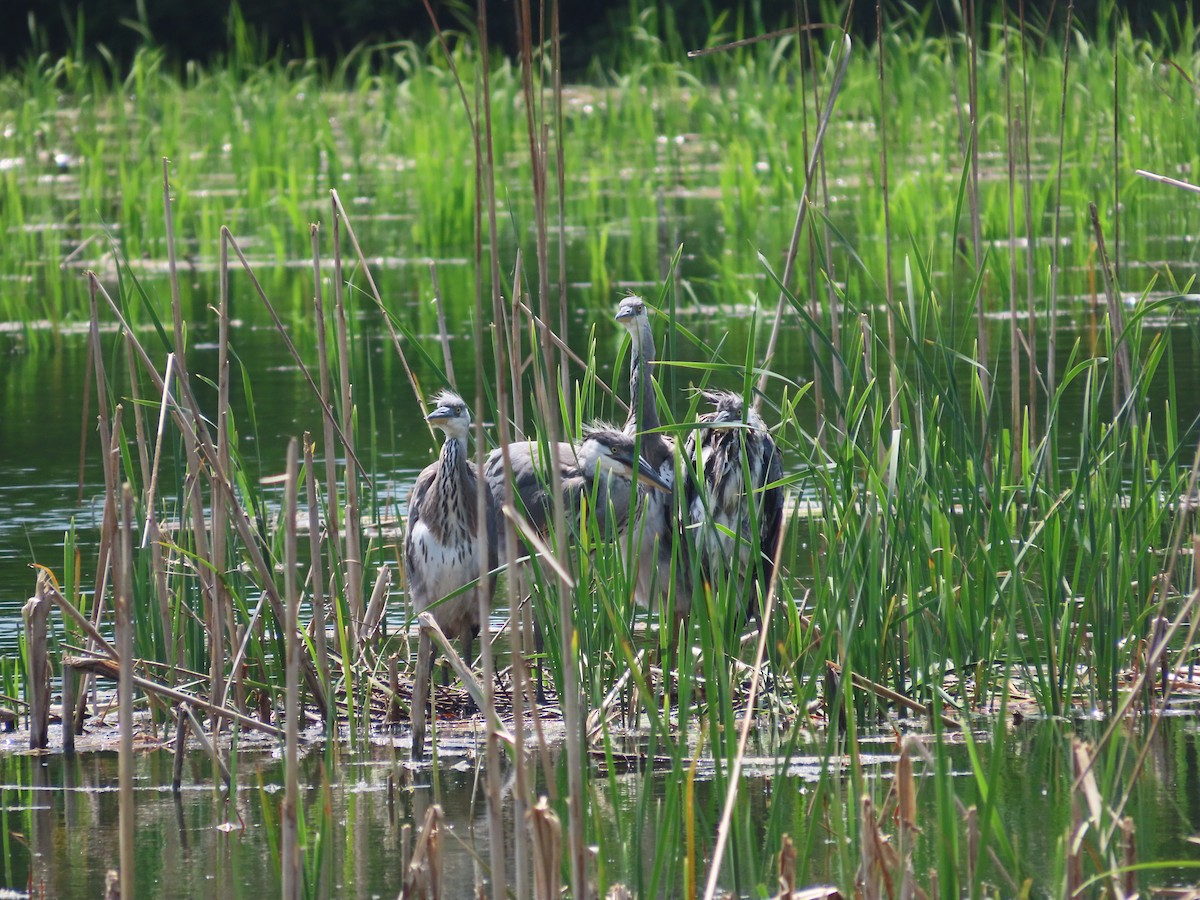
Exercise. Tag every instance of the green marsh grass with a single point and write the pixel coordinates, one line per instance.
(938, 546)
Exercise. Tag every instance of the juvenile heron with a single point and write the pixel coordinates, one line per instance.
(601, 466)
(442, 548)
(654, 525)
(725, 500)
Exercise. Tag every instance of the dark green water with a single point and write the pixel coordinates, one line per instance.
(60, 816)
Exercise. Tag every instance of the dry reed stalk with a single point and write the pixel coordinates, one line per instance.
(520, 629)
(332, 510)
(289, 816)
(1173, 182)
(187, 417)
(1011, 126)
(181, 733)
(195, 471)
(69, 680)
(889, 278)
(316, 573)
(545, 833)
(209, 747)
(1123, 382)
(343, 431)
(84, 426)
(886, 693)
(443, 331)
(352, 558)
(551, 362)
(139, 429)
(830, 273)
(36, 616)
(735, 769)
(789, 263)
(375, 607)
(906, 820)
(560, 166)
(571, 355)
(109, 668)
(423, 875)
(341, 218)
(480, 691)
(487, 702)
(123, 610)
(222, 611)
(1116, 157)
(151, 534)
(1031, 340)
(109, 513)
(1051, 337)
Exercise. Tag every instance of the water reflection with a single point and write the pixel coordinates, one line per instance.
(62, 818)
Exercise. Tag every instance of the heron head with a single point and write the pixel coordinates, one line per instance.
(631, 312)
(451, 414)
(609, 451)
(728, 408)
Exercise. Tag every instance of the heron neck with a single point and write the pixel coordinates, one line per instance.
(454, 473)
(643, 409)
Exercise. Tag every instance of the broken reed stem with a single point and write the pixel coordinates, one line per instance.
(109, 668)
(316, 571)
(208, 746)
(36, 614)
(290, 842)
(443, 331)
(181, 733)
(123, 607)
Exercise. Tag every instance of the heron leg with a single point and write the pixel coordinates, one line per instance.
(539, 646)
(420, 694)
(468, 655)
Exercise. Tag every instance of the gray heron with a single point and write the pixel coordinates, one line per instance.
(734, 460)
(598, 470)
(442, 550)
(654, 527)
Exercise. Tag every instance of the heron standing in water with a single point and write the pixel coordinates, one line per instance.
(654, 527)
(442, 548)
(735, 462)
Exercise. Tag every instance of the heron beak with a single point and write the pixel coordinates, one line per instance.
(440, 414)
(647, 477)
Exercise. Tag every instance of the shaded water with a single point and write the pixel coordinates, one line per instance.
(59, 815)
